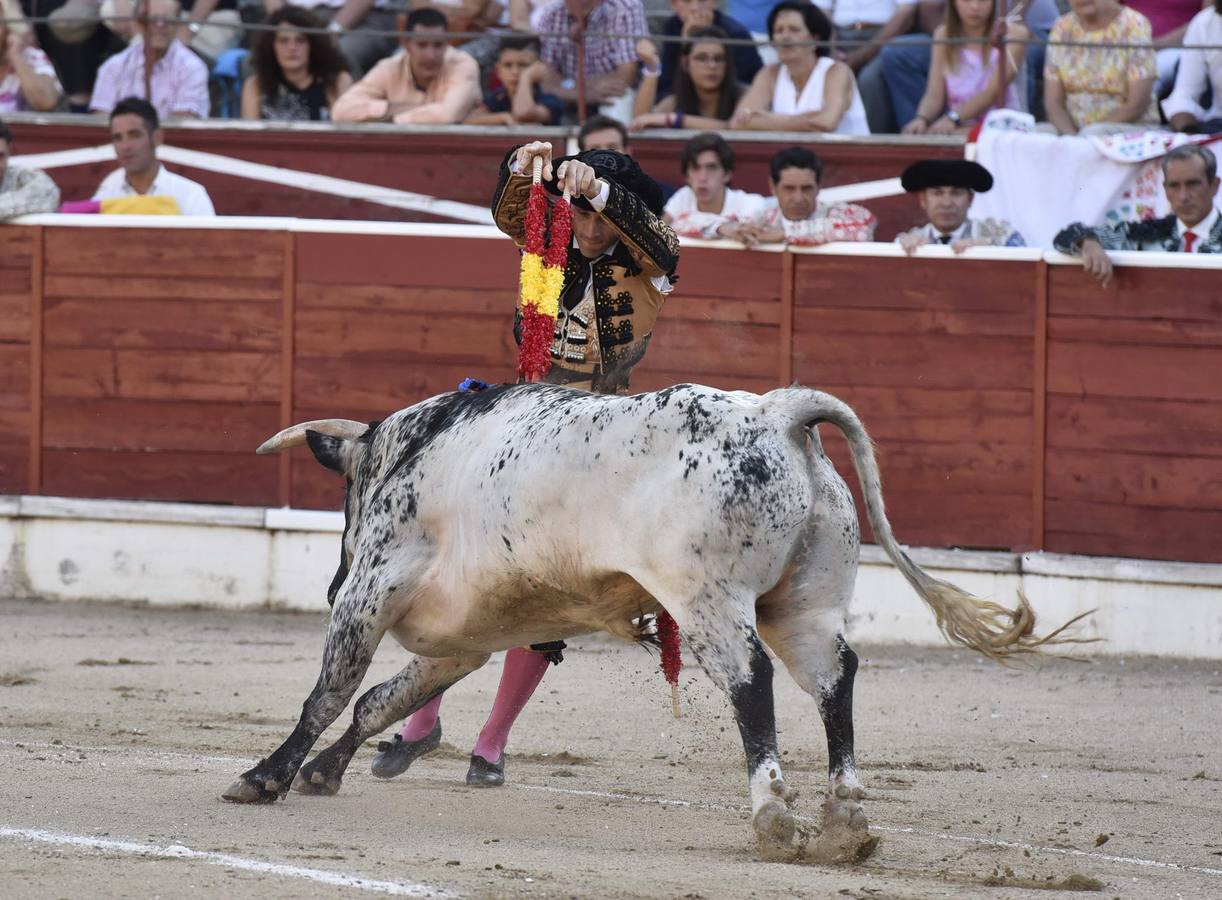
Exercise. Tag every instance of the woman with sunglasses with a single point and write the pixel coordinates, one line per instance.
(705, 91)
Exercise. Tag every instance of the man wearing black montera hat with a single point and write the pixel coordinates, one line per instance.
(620, 269)
(946, 188)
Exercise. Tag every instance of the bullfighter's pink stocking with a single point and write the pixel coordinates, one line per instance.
(422, 722)
(522, 673)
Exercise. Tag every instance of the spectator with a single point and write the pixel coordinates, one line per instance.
(807, 90)
(297, 76)
(427, 83)
(602, 133)
(611, 62)
(481, 19)
(1103, 88)
(796, 216)
(27, 78)
(136, 134)
(355, 23)
(965, 77)
(156, 63)
(690, 16)
(1200, 72)
(523, 15)
(946, 188)
(1168, 24)
(1190, 179)
(865, 27)
(906, 62)
(73, 35)
(23, 191)
(518, 99)
(705, 91)
(211, 27)
(708, 207)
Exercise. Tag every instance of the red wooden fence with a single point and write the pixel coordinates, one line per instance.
(1015, 403)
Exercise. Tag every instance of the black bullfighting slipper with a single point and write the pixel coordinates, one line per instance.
(486, 774)
(394, 756)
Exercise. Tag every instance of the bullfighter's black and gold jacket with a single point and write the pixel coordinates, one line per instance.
(598, 341)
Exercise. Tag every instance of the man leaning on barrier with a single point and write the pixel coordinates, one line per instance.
(1190, 180)
(946, 188)
(23, 191)
(795, 215)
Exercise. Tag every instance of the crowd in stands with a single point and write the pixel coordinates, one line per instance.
(853, 67)
(834, 66)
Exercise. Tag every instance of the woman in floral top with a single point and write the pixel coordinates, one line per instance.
(1084, 86)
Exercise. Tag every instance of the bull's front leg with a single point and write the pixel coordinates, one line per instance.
(351, 641)
(379, 708)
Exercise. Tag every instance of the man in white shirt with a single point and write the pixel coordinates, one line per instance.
(135, 133)
(1190, 180)
(708, 207)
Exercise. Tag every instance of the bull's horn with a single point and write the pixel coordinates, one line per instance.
(295, 435)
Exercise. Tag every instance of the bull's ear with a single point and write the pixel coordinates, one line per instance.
(331, 452)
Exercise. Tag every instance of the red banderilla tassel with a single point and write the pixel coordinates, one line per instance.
(672, 662)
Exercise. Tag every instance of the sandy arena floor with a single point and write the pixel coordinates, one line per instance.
(120, 727)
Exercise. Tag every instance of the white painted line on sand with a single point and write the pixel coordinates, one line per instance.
(699, 804)
(887, 829)
(228, 861)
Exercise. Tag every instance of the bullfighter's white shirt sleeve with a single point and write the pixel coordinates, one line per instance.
(599, 202)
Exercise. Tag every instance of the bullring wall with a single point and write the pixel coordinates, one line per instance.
(1016, 405)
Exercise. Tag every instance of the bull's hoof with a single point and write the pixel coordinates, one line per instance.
(316, 783)
(774, 829)
(246, 791)
(840, 846)
(396, 755)
(844, 835)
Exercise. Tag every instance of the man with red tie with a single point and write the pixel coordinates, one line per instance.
(1190, 178)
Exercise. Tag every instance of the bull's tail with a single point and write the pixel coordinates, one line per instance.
(986, 627)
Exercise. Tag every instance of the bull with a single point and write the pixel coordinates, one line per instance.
(477, 522)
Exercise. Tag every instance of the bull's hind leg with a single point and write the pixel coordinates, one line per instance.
(824, 665)
(381, 706)
(351, 641)
(719, 628)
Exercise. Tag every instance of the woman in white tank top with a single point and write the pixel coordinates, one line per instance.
(807, 90)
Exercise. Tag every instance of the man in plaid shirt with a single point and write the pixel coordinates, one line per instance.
(611, 62)
(158, 68)
(794, 213)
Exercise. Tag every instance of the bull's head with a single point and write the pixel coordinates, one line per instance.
(336, 444)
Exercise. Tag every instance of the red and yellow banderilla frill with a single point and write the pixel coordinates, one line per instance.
(541, 281)
(542, 277)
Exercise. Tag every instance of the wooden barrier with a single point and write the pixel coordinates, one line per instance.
(455, 163)
(942, 378)
(1134, 445)
(20, 265)
(1015, 403)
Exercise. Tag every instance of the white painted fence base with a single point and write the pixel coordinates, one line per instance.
(176, 554)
